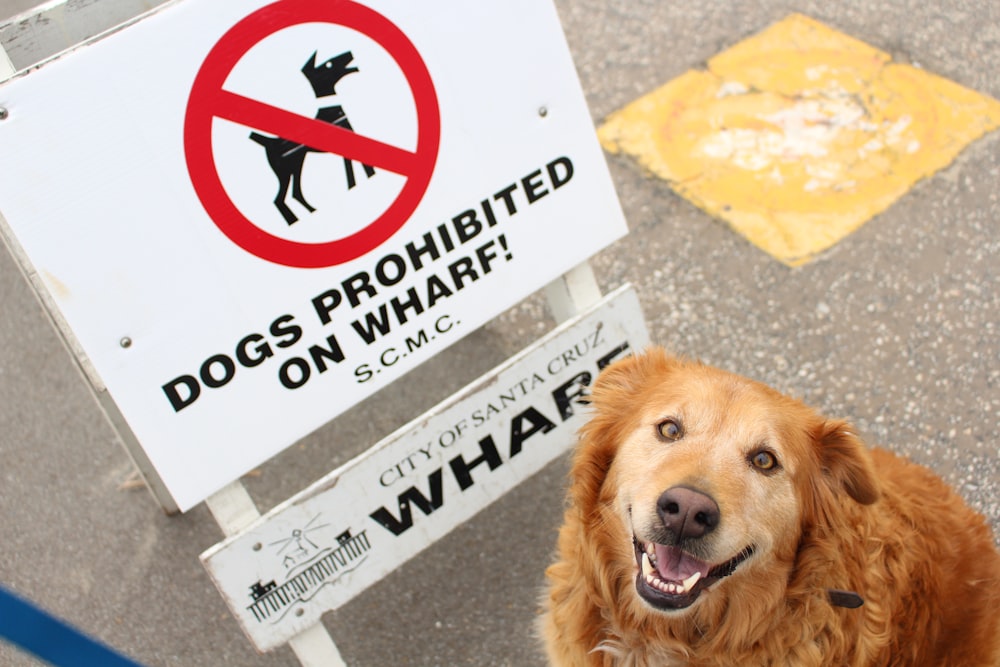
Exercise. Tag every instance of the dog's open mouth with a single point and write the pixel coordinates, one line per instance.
(671, 578)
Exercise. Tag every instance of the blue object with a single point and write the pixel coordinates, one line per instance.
(52, 639)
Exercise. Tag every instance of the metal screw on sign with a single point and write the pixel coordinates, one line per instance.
(4, 113)
(125, 342)
(543, 111)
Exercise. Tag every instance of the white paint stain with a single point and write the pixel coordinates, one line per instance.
(808, 131)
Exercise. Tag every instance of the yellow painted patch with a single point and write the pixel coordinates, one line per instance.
(799, 135)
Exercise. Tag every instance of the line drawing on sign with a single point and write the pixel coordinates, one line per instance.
(304, 583)
(300, 539)
(287, 157)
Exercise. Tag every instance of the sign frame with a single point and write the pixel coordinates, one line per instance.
(231, 506)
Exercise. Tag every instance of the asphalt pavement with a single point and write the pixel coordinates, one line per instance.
(895, 328)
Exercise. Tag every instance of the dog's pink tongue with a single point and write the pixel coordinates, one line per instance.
(674, 564)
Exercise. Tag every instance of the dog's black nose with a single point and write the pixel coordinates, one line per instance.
(687, 513)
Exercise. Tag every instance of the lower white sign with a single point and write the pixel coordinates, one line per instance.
(347, 531)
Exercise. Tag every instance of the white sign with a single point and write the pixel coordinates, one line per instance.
(255, 213)
(328, 543)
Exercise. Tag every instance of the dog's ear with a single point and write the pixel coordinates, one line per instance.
(310, 66)
(621, 378)
(846, 460)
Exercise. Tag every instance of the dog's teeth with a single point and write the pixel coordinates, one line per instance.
(652, 577)
(647, 567)
(689, 583)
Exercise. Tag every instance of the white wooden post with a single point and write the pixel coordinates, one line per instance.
(573, 292)
(234, 510)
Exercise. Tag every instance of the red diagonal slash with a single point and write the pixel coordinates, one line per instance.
(313, 133)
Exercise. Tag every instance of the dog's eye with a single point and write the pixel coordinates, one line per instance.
(764, 460)
(670, 429)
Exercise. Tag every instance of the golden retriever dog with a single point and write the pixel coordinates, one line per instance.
(713, 521)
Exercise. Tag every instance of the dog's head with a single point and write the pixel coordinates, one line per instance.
(692, 475)
(324, 77)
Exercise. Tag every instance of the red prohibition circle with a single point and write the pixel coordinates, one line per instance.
(208, 101)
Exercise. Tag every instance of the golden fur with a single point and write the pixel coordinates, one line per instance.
(819, 510)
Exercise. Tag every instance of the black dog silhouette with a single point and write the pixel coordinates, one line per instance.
(287, 157)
